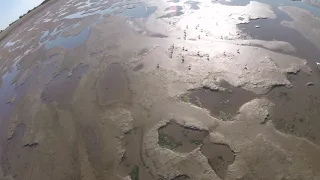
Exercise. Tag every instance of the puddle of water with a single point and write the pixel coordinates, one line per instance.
(113, 86)
(179, 138)
(175, 11)
(221, 104)
(273, 30)
(297, 109)
(193, 4)
(69, 42)
(53, 91)
(220, 157)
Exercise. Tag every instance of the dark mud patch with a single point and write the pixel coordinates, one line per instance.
(138, 67)
(132, 163)
(297, 109)
(220, 157)
(193, 4)
(62, 86)
(113, 86)
(221, 104)
(180, 138)
(174, 11)
(181, 177)
(17, 159)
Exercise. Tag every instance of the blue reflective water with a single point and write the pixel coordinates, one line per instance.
(44, 35)
(139, 11)
(136, 11)
(69, 42)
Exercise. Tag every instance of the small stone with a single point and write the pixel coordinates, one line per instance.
(310, 84)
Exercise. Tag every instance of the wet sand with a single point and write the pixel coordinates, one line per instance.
(134, 90)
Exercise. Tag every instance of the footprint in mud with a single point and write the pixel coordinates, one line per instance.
(138, 67)
(17, 157)
(66, 81)
(185, 139)
(113, 86)
(221, 104)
